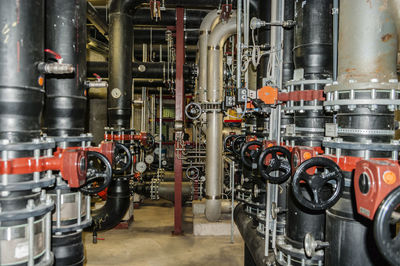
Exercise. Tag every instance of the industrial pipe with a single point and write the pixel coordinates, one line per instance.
(165, 190)
(193, 18)
(288, 43)
(145, 70)
(65, 100)
(120, 63)
(264, 36)
(216, 43)
(65, 108)
(207, 25)
(367, 54)
(118, 200)
(252, 239)
(24, 217)
(157, 36)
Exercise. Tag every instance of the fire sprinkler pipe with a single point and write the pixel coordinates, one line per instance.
(216, 43)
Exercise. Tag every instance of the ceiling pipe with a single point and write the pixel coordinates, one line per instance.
(94, 17)
(149, 70)
(216, 43)
(193, 18)
(157, 36)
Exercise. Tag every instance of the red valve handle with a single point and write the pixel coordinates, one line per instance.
(56, 55)
(97, 76)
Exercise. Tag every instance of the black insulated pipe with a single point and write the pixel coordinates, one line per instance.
(21, 103)
(288, 43)
(253, 241)
(120, 63)
(145, 70)
(21, 94)
(65, 106)
(65, 99)
(264, 35)
(313, 38)
(118, 199)
(68, 250)
(193, 18)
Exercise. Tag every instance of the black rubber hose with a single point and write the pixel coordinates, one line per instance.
(118, 199)
(65, 100)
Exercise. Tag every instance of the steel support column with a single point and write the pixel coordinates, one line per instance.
(179, 118)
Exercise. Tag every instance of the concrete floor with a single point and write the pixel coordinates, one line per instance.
(149, 242)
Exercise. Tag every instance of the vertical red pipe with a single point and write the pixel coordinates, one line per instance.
(179, 118)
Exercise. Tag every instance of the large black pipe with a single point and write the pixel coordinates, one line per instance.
(120, 63)
(21, 103)
(313, 53)
(108, 216)
(21, 94)
(65, 99)
(288, 43)
(166, 190)
(264, 35)
(255, 244)
(313, 38)
(193, 18)
(65, 106)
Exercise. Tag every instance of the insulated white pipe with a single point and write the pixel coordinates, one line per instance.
(216, 43)
(207, 25)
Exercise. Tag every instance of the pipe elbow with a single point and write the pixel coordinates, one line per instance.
(124, 6)
(213, 210)
(118, 200)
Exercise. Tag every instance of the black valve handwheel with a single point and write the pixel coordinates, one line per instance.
(387, 217)
(228, 141)
(122, 159)
(99, 173)
(192, 173)
(249, 156)
(237, 144)
(325, 185)
(279, 168)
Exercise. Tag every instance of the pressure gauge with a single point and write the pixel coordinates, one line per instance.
(149, 159)
(116, 93)
(141, 167)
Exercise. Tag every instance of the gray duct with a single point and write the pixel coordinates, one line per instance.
(216, 43)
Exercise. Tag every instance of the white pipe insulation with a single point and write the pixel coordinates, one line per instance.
(216, 43)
